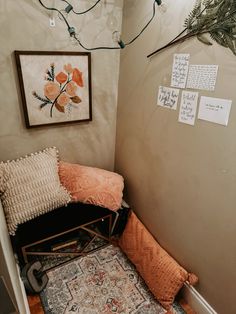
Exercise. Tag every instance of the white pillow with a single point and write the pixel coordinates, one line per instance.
(30, 186)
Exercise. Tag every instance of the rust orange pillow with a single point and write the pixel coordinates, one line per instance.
(162, 274)
(92, 185)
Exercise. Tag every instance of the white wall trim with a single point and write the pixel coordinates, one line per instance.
(11, 265)
(25, 300)
(196, 301)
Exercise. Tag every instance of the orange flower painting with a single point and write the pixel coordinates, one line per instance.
(56, 86)
(61, 88)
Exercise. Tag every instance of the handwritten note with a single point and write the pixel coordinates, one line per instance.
(214, 110)
(202, 76)
(180, 70)
(188, 107)
(168, 97)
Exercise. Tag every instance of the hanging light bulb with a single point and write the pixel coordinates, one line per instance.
(116, 36)
(117, 39)
(162, 5)
(73, 40)
(112, 22)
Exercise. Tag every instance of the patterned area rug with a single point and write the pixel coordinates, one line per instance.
(103, 282)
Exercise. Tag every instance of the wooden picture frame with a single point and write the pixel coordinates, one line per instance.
(55, 87)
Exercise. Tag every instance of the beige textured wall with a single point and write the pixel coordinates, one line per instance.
(24, 25)
(180, 179)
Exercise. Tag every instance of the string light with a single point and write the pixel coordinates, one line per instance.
(111, 24)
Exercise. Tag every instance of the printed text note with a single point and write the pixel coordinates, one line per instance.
(214, 110)
(202, 76)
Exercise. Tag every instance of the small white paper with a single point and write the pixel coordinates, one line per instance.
(180, 70)
(214, 110)
(168, 97)
(202, 76)
(188, 107)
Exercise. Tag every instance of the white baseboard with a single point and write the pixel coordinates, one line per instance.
(196, 301)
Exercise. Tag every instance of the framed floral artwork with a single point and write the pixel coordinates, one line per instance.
(55, 87)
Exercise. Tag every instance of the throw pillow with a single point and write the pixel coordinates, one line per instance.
(162, 274)
(92, 185)
(30, 186)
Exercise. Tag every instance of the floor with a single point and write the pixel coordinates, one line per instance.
(36, 307)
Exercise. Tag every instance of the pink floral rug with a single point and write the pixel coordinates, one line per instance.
(104, 282)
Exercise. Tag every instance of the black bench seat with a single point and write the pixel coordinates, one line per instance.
(61, 220)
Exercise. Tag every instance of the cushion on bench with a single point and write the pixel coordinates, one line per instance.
(92, 185)
(30, 187)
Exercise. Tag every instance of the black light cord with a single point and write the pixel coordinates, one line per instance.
(95, 48)
(72, 33)
(82, 12)
(143, 29)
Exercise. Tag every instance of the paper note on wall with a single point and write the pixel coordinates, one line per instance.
(180, 70)
(168, 97)
(202, 76)
(214, 110)
(188, 107)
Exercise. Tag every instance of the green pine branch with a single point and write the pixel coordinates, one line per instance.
(214, 17)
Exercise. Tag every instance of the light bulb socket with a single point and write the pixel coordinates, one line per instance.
(71, 31)
(121, 44)
(68, 8)
(159, 2)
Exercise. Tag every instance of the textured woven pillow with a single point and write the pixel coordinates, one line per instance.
(162, 274)
(30, 186)
(92, 185)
